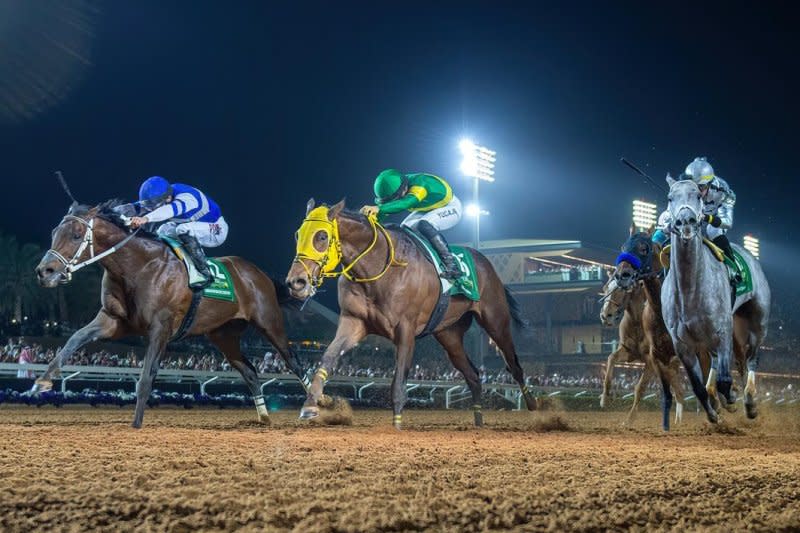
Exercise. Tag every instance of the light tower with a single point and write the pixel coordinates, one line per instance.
(478, 164)
(644, 214)
(751, 245)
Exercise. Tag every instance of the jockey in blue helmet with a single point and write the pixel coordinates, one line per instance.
(187, 215)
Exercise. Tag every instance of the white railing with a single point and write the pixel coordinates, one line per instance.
(455, 391)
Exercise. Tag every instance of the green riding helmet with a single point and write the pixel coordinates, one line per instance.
(390, 184)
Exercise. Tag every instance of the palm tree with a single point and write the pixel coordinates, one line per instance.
(20, 294)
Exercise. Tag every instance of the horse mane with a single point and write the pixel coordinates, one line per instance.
(108, 211)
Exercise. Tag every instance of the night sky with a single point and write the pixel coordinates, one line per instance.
(263, 105)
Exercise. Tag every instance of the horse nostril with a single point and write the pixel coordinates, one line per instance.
(298, 283)
(679, 223)
(626, 275)
(692, 221)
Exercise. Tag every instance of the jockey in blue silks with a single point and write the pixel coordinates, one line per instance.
(187, 215)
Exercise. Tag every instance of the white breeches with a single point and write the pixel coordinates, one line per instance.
(208, 234)
(442, 218)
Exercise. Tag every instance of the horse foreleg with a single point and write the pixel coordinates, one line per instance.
(612, 360)
(674, 378)
(104, 326)
(348, 333)
(724, 378)
(692, 365)
(160, 333)
(638, 390)
(404, 339)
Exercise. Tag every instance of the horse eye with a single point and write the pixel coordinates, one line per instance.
(296, 236)
(76, 236)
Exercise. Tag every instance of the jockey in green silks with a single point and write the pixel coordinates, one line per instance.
(434, 208)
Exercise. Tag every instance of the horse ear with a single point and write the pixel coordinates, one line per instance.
(334, 211)
(670, 181)
(632, 229)
(651, 229)
(309, 205)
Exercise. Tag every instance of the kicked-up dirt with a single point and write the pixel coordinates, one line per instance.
(76, 469)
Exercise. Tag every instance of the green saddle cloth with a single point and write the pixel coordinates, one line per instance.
(221, 288)
(467, 284)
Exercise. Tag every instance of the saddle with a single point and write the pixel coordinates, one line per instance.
(221, 288)
(738, 272)
(467, 285)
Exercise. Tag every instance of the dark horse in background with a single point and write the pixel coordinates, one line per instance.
(145, 292)
(390, 288)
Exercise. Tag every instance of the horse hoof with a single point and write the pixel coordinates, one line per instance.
(265, 420)
(478, 420)
(308, 412)
(603, 401)
(325, 401)
(713, 417)
(751, 410)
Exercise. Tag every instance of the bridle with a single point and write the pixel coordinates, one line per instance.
(74, 264)
(328, 260)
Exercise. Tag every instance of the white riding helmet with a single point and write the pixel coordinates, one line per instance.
(700, 171)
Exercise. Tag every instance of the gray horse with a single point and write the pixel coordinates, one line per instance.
(697, 307)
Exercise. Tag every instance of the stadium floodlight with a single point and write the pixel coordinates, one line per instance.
(751, 244)
(478, 164)
(645, 214)
(478, 161)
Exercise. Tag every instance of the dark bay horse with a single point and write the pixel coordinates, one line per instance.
(389, 288)
(145, 292)
(629, 308)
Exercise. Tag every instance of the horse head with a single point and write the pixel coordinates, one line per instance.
(638, 257)
(83, 231)
(318, 251)
(685, 208)
(615, 299)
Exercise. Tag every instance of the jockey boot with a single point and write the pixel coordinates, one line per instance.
(725, 245)
(452, 271)
(198, 257)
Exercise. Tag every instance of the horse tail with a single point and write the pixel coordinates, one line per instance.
(514, 309)
(285, 299)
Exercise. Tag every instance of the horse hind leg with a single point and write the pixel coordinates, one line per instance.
(495, 319)
(227, 339)
(641, 385)
(452, 339)
(271, 327)
(750, 406)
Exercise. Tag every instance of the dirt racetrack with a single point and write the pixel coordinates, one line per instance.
(82, 468)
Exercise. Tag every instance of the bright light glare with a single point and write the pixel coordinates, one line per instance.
(473, 210)
(466, 146)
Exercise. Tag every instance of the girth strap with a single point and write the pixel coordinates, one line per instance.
(444, 297)
(188, 318)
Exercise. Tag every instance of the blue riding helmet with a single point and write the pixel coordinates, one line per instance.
(154, 191)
